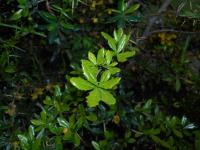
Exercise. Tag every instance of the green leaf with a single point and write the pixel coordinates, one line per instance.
(131, 140)
(107, 97)
(81, 84)
(92, 58)
(115, 35)
(95, 145)
(190, 126)
(178, 85)
(40, 134)
(177, 133)
(110, 83)
(23, 139)
(63, 123)
(100, 56)
(22, 2)
(76, 140)
(67, 26)
(58, 143)
(151, 131)
(89, 71)
(159, 141)
(17, 15)
(43, 115)
(37, 122)
(111, 42)
(92, 117)
(114, 70)
(48, 100)
(94, 97)
(52, 128)
(124, 56)
(122, 43)
(31, 132)
(11, 68)
(48, 17)
(36, 145)
(132, 9)
(118, 34)
(197, 140)
(57, 91)
(105, 76)
(109, 56)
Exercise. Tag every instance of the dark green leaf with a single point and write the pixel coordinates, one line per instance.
(63, 123)
(31, 132)
(95, 145)
(159, 141)
(37, 122)
(132, 9)
(17, 15)
(23, 139)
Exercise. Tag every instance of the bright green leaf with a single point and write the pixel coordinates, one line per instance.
(100, 56)
(92, 58)
(124, 56)
(110, 83)
(114, 70)
(81, 84)
(89, 71)
(105, 76)
(107, 97)
(94, 97)
(109, 56)
(122, 43)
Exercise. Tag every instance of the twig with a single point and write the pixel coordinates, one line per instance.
(167, 30)
(153, 19)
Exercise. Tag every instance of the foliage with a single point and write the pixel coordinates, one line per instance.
(100, 71)
(62, 86)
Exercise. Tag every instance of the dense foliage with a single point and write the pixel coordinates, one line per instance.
(99, 74)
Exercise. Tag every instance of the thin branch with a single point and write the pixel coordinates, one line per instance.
(167, 30)
(153, 19)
